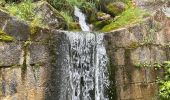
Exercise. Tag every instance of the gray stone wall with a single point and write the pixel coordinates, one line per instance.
(134, 52)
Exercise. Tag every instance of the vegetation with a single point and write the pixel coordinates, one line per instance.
(164, 83)
(24, 10)
(129, 16)
(5, 37)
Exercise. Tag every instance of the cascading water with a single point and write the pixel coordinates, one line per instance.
(84, 65)
(82, 19)
(85, 71)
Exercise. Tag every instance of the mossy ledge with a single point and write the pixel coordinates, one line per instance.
(4, 37)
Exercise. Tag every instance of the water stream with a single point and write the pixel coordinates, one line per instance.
(82, 19)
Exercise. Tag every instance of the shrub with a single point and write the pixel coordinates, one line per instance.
(164, 83)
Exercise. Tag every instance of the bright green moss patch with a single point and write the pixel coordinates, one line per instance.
(5, 37)
(129, 16)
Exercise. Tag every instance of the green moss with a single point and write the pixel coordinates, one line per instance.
(74, 26)
(113, 9)
(100, 24)
(133, 45)
(130, 16)
(5, 37)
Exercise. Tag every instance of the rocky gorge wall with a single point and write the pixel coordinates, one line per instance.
(28, 68)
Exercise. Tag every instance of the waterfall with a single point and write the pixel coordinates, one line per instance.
(166, 11)
(84, 67)
(83, 62)
(82, 19)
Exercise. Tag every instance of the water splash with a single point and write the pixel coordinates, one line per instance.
(85, 74)
(166, 11)
(82, 19)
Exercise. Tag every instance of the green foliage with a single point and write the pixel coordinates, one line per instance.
(69, 21)
(24, 10)
(129, 16)
(164, 84)
(67, 17)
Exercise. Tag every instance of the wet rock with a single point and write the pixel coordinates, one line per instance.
(116, 8)
(50, 16)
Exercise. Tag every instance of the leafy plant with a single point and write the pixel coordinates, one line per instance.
(164, 83)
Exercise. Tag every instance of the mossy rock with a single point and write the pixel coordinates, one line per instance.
(74, 26)
(100, 24)
(50, 15)
(115, 8)
(5, 37)
(103, 16)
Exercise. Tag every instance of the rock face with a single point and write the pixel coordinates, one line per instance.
(50, 16)
(134, 51)
(150, 5)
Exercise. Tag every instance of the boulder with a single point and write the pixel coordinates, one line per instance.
(13, 27)
(115, 8)
(103, 16)
(50, 16)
